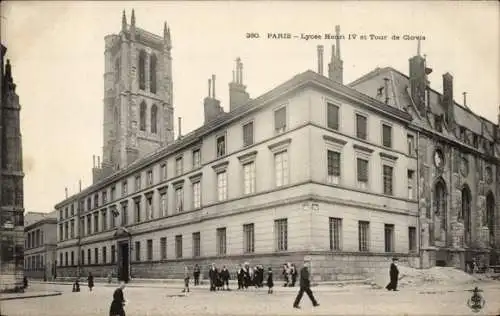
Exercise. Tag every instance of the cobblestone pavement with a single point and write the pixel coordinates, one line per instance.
(170, 301)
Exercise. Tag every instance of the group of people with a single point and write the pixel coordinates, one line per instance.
(247, 277)
(289, 273)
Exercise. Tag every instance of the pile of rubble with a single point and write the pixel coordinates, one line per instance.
(417, 277)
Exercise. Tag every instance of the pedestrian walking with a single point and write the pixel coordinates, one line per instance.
(305, 286)
(186, 280)
(196, 274)
(116, 308)
(76, 285)
(213, 275)
(293, 272)
(270, 282)
(90, 281)
(225, 276)
(393, 275)
(240, 276)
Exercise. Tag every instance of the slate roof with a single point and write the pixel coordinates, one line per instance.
(400, 98)
(303, 79)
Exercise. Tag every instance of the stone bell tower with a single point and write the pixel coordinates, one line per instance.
(138, 105)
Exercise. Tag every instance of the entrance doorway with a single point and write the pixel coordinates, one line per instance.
(123, 261)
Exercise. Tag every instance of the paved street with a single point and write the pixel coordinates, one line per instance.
(352, 300)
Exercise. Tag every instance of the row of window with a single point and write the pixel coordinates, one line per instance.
(281, 242)
(33, 239)
(467, 136)
(34, 263)
(280, 124)
(159, 209)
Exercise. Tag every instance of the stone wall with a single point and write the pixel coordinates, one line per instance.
(325, 266)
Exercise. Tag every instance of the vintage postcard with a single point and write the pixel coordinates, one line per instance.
(249, 158)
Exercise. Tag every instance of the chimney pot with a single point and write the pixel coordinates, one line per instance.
(93, 163)
(465, 98)
(320, 59)
(213, 86)
(180, 129)
(209, 88)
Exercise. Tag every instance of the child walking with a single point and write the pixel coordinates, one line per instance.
(270, 282)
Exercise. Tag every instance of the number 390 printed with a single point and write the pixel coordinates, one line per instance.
(252, 35)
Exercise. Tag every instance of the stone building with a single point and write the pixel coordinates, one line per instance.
(458, 165)
(270, 181)
(40, 243)
(11, 182)
(138, 111)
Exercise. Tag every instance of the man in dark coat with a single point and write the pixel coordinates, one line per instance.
(240, 275)
(225, 276)
(393, 274)
(213, 275)
(90, 281)
(196, 274)
(116, 308)
(305, 286)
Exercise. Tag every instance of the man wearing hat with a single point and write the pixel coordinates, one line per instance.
(393, 274)
(305, 286)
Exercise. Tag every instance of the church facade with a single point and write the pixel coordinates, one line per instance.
(311, 170)
(11, 183)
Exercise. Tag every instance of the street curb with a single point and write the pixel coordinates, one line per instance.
(30, 296)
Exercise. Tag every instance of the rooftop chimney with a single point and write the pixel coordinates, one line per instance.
(418, 81)
(213, 86)
(80, 185)
(336, 65)
(448, 104)
(211, 105)
(66, 192)
(179, 126)
(320, 59)
(386, 90)
(465, 98)
(98, 161)
(93, 163)
(237, 91)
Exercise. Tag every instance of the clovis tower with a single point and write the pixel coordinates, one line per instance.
(138, 107)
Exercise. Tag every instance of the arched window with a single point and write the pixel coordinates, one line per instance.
(152, 74)
(466, 213)
(142, 70)
(142, 119)
(490, 216)
(440, 202)
(154, 118)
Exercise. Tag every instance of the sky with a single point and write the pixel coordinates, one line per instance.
(57, 55)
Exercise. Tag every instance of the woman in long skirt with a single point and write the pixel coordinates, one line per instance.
(90, 281)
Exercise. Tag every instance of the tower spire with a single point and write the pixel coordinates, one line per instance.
(165, 28)
(336, 65)
(124, 21)
(132, 19)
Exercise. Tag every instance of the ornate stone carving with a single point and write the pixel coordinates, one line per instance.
(455, 160)
(489, 175)
(464, 167)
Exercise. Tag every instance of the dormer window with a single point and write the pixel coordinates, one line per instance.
(221, 146)
(462, 134)
(438, 123)
(280, 120)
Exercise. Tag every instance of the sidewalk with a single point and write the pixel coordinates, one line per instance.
(29, 294)
(340, 286)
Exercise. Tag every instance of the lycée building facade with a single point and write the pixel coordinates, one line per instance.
(311, 169)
